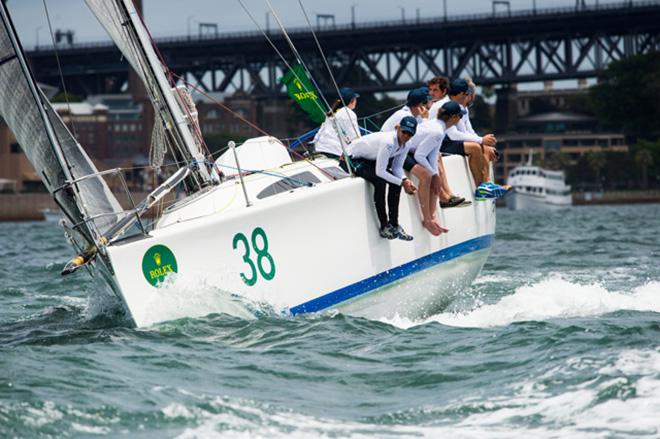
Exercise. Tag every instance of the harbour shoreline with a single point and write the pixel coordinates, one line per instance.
(29, 206)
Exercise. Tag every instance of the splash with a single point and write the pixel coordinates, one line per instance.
(550, 298)
(190, 295)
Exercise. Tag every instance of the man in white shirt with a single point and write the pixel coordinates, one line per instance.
(438, 88)
(424, 162)
(415, 106)
(379, 158)
(460, 140)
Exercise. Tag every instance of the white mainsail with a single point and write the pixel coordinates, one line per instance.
(124, 25)
(55, 155)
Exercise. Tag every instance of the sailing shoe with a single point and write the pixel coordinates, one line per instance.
(488, 190)
(401, 234)
(452, 202)
(388, 232)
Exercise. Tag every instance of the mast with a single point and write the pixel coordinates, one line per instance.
(164, 101)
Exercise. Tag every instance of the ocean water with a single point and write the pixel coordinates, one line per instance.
(558, 337)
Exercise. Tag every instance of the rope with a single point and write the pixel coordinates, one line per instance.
(59, 69)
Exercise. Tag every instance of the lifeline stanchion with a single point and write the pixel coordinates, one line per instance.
(232, 145)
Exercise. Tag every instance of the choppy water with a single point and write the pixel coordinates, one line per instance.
(559, 336)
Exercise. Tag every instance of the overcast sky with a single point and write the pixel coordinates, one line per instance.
(176, 17)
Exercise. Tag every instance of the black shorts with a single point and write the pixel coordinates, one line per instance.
(410, 162)
(452, 146)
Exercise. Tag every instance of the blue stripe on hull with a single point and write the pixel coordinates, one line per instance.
(394, 274)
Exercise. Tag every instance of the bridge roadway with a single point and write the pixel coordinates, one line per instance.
(525, 46)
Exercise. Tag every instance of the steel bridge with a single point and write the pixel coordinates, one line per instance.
(495, 49)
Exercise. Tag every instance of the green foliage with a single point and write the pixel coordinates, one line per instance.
(628, 95)
(217, 142)
(62, 98)
(646, 155)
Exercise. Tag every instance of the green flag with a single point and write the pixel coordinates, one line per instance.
(300, 89)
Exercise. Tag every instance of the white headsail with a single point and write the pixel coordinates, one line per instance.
(125, 27)
(65, 169)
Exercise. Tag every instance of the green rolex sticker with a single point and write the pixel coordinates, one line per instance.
(157, 263)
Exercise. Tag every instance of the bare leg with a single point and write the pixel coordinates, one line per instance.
(476, 159)
(445, 191)
(423, 195)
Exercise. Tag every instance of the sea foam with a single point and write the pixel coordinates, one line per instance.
(550, 298)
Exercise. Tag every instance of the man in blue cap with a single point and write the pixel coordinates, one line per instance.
(461, 140)
(416, 106)
(425, 163)
(379, 158)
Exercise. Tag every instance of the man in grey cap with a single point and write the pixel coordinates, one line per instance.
(379, 158)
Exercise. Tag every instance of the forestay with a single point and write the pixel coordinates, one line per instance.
(55, 155)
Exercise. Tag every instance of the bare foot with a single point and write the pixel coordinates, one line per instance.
(434, 228)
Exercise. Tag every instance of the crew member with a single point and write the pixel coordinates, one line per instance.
(424, 161)
(340, 126)
(379, 158)
(415, 107)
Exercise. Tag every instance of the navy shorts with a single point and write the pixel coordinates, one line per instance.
(410, 162)
(452, 146)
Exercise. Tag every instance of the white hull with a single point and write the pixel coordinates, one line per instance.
(325, 246)
(521, 201)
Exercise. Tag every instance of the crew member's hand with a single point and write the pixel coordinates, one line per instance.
(491, 153)
(489, 140)
(408, 186)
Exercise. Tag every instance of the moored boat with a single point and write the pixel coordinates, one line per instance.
(533, 187)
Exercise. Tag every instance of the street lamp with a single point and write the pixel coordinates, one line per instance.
(353, 15)
(37, 32)
(190, 19)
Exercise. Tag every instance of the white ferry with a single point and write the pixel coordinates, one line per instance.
(533, 187)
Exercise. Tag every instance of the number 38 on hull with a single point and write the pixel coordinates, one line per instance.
(306, 242)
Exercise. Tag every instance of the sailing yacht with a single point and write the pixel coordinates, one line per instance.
(298, 236)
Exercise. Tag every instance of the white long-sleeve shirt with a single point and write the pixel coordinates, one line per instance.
(463, 130)
(382, 147)
(392, 121)
(435, 108)
(327, 138)
(426, 142)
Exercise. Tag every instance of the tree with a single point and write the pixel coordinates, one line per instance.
(557, 160)
(647, 158)
(596, 162)
(644, 159)
(627, 96)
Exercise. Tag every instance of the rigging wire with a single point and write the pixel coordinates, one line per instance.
(59, 69)
(238, 116)
(325, 60)
(302, 63)
(295, 52)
